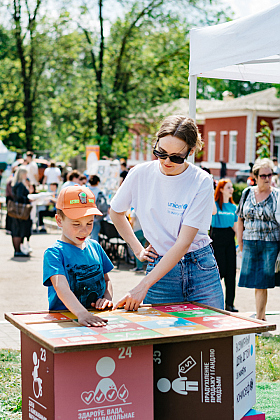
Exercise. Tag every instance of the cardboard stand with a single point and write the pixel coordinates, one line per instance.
(177, 360)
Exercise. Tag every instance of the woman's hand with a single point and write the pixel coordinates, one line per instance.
(147, 254)
(132, 300)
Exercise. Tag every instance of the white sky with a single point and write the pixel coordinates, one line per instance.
(248, 7)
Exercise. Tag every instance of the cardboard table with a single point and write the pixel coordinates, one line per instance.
(183, 361)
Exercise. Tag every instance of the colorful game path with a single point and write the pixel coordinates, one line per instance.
(60, 330)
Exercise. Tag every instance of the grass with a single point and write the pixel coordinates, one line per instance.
(267, 375)
(268, 359)
(10, 385)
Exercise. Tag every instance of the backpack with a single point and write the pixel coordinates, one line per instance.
(102, 205)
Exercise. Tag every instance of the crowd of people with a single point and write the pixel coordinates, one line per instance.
(23, 187)
(174, 221)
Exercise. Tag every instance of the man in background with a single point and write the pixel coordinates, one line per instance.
(32, 169)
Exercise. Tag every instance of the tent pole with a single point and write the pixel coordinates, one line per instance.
(192, 96)
(192, 102)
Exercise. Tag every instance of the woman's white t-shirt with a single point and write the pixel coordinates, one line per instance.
(163, 203)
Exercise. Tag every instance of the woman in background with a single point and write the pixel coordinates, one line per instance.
(258, 234)
(224, 227)
(20, 229)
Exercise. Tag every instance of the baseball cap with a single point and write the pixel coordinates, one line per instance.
(77, 201)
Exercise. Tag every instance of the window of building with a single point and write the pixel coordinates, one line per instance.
(211, 146)
(232, 146)
(222, 145)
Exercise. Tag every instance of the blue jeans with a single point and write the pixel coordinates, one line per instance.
(95, 231)
(194, 278)
(140, 236)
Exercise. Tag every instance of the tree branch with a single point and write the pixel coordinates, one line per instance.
(93, 59)
(151, 6)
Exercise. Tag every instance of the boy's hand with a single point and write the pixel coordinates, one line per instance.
(89, 320)
(102, 304)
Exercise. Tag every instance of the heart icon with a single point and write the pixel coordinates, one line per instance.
(87, 397)
(111, 395)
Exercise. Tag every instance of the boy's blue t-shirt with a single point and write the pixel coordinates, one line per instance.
(83, 268)
(226, 217)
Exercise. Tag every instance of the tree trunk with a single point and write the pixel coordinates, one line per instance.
(99, 74)
(28, 116)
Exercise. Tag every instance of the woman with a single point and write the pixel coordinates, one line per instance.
(20, 228)
(224, 227)
(260, 238)
(173, 200)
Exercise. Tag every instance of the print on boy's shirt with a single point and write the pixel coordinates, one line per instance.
(175, 208)
(86, 282)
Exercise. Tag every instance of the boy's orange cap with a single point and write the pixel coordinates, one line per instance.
(77, 201)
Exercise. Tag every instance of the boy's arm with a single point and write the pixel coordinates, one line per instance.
(66, 295)
(106, 301)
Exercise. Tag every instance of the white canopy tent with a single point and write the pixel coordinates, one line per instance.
(244, 49)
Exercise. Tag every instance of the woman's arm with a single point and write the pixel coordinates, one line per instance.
(239, 233)
(134, 297)
(125, 230)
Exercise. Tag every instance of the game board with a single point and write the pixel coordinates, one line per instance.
(171, 356)
(59, 330)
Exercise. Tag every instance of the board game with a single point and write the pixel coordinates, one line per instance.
(152, 324)
(172, 356)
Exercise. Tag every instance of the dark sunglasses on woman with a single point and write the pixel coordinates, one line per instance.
(173, 158)
(265, 176)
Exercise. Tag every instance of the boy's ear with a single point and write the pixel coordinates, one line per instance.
(58, 220)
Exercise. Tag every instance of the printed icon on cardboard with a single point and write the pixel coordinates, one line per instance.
(106, 388)
(37, 381)
(181, 385)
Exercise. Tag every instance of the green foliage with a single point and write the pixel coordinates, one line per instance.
(10, 385)
(87, 86)
(268, 359)
(214, 88)
(263, 137)
(268, 399)
(238, 189)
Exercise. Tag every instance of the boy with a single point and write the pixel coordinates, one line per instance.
(75, 267)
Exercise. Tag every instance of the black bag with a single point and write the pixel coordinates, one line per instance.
(102, 205)
(18, 210)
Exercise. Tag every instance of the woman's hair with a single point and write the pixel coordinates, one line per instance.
(19, 175)
(262, 163)
(183, 128)
(218, 195)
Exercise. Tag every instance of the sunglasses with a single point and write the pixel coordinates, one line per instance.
(173, 158)
(265, 176)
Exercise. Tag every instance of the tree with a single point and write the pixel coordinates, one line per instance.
(28, 53)
(11, 121)
(142, 62)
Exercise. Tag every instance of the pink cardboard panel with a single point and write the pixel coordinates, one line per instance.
(101, 383)
(254, 415)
